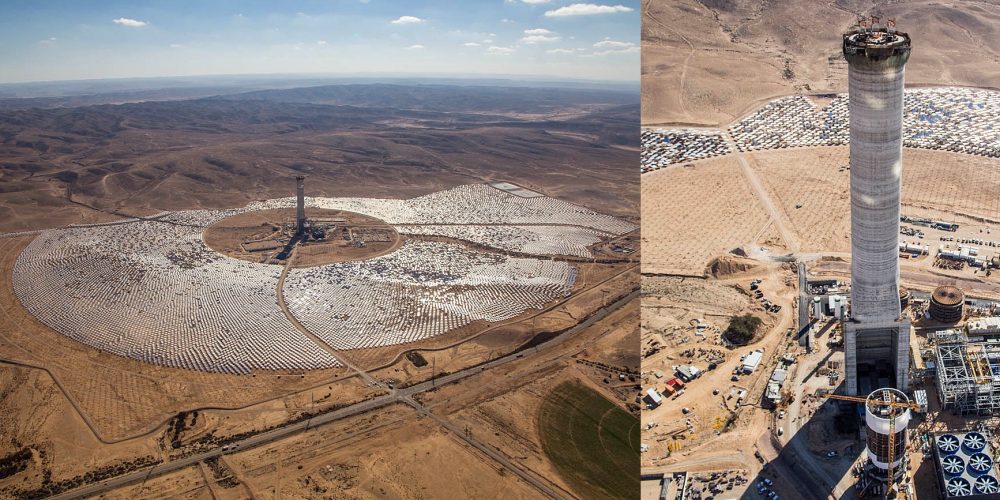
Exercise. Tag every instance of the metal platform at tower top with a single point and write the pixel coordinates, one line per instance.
(876, 41)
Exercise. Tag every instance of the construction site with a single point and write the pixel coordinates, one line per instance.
(850, 233)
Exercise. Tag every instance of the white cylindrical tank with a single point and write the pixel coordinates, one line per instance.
(817, 307)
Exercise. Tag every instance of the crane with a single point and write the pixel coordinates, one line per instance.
(892, 404)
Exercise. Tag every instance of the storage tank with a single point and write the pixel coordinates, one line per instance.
(946, 304)
(879, 419)
(904, 297)
(817, 307)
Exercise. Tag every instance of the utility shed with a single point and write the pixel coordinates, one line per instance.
(652, 397)
(687, 373)
(752, 361)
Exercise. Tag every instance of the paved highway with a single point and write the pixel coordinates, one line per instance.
(403, 395)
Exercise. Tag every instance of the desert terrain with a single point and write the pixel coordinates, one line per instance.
(78, 165)
(694, 51)
(81, 421)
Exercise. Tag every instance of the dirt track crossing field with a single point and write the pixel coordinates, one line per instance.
(691, 214)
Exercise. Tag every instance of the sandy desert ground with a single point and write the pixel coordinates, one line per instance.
(694, 50)
(691, 214)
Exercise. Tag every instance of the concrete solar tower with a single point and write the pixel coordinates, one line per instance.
(876, 337)
(300, 202)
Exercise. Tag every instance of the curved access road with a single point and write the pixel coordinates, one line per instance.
(404, 395)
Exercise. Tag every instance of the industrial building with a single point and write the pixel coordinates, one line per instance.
(969, 255)
(914, 248)
(964, 465)
(982, 328)
(968, 377)
(876, 336)
(687, 373)
(772, 395)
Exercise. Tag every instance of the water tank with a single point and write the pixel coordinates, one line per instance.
(946, 304)
(880, 418)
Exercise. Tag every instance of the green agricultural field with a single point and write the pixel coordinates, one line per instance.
(592, 441)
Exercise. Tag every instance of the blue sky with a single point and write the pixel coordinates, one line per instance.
(67, 40)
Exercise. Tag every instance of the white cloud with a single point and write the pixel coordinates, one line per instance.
(586, 9)
(487, 40)
(408, 20)
(504, 51)
(539, 39)
(471, 44)
(615, 47)
(176, 46)
(613, 44)
(630, 50)
(534, 1)
(559, 51)
(537, 31)
(415, 47)
(47, 40)
(320, 42)
(132, 23)
(365, 1)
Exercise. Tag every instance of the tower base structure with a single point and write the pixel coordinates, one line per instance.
(300, 203)
(877, 355)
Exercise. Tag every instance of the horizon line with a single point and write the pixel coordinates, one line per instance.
(531, 77)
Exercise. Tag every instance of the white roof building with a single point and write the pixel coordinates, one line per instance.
(752, 361)
(653, 397)
(984, 326)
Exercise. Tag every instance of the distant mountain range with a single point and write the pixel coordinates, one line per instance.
(61, 164)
